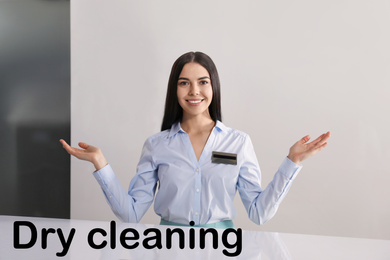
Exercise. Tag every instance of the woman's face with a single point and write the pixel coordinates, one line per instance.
(194, 90)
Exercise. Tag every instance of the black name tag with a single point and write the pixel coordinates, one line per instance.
(226, 158)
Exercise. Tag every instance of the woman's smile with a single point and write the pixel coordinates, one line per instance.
(195, 102)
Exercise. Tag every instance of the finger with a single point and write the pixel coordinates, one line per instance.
(327, 135)
(304, 139)
(83, 145)
(71, 150)
(319, 148)
(68, 148)
(63, 142)
(318, 139)
(323, 139)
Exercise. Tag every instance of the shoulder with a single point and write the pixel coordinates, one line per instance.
(158, 137)
(231, 132)
(155, 142)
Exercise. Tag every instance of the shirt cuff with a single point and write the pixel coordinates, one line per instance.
(289, 168)
(104, 175)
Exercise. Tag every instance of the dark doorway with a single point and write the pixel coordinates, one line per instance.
(34, 107)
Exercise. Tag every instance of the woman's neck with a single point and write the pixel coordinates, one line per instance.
(197, 124)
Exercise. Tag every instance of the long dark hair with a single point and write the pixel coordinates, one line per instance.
(173, 112)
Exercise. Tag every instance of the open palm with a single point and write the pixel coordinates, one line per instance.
(302, 150)
(88, 153)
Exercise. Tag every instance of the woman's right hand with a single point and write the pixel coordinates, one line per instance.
(88, 153)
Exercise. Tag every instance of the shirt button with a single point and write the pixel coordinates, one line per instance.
(197, 190)
(196, 213)
(197, 169)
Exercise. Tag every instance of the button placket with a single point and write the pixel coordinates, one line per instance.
(197, 197)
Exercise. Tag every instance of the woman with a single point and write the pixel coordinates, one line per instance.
(198, 162)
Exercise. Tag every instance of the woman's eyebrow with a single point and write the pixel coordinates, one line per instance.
(183, 78)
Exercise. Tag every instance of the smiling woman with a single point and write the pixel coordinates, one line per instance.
(194, 94)
(195, 189)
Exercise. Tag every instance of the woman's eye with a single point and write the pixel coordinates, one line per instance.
(204, 82)
(183, 83)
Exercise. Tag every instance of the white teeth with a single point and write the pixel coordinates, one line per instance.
(194, 101)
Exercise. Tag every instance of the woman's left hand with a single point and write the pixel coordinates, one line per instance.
(302, 150)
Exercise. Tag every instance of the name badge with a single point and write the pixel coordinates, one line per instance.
(226, 158)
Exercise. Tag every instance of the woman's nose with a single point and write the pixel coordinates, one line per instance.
(194, 90)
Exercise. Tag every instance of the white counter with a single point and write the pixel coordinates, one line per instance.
(254, 244)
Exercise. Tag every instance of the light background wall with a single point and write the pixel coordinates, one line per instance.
(288, 68)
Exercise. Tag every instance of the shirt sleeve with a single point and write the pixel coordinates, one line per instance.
(132, 205)
(261, 205)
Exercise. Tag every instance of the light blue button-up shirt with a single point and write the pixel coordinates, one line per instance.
(192, 190)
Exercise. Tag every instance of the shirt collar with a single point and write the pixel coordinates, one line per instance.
(177, 128)
(220, 126)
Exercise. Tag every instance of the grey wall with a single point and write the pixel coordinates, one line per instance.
(288, 68)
